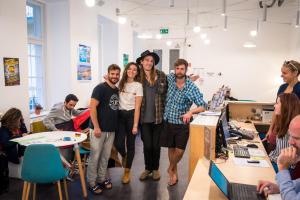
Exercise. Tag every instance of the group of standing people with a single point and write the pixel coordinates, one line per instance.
(148, 100)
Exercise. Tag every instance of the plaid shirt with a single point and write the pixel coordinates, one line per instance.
(179, 101)
(160, 98)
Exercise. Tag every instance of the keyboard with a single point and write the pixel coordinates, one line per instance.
(243, 191)
(242, 133)
(241, 151)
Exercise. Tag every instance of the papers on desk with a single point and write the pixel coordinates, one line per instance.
(256, 152)
(210, 113)
(243, 162)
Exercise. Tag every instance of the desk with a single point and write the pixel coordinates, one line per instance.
(56, 138)
(202, 187)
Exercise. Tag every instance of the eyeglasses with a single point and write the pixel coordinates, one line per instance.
(291, 64)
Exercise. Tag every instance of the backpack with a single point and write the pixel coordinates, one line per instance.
(4, 179)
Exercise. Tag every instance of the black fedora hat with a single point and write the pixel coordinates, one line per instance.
(148, 53)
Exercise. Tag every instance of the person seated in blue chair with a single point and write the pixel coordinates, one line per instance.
(12, 126)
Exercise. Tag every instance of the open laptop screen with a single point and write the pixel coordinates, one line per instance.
(219, 179)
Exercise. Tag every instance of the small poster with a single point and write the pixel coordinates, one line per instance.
(84, 54)
(125, 59)
(84, 63)
(11, 71)
(84, 72)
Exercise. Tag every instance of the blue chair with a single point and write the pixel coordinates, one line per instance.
(42, 164)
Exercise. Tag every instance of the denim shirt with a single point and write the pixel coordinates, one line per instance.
(289, 189)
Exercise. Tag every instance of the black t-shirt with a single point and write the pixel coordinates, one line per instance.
(107, 110)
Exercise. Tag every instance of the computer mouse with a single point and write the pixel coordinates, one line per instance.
(252, 146)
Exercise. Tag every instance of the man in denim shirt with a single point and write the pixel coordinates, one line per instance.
(288, 188)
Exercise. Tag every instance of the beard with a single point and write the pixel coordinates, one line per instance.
(113, 80)
(180, 76)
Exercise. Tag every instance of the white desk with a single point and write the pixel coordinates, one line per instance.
(56, 138)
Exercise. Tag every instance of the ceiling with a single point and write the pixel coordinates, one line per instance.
(153, 14)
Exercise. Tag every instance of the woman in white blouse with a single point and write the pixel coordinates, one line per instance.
(131, 94)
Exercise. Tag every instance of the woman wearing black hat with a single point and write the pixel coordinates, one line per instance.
(154, 89)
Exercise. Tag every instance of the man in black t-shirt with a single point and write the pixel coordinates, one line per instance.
(104, 120)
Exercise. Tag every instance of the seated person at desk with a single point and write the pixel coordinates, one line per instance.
(286, 108)
(288, 188)
(60, 118)
(61, 113)
(12, 126)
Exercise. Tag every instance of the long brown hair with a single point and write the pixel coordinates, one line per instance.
(124, 78)
(290, 107)
(12, 119)
(152, 74)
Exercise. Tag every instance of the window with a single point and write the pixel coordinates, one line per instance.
(34, 15)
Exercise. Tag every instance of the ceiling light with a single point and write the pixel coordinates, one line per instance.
(169, 43)
(203, 36)
(122, 20)
(207, 41)
(253, 33)
(144, 36)
(249, 45)
(297, 19)
(196, 29)
(158, 36)
(171, 3)
(225, 23)
(265, 12)
(90, 3)
(224, 8)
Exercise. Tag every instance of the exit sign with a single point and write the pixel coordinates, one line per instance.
(164, 31)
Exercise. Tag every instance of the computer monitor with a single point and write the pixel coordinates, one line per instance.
(219, 179)
(220, 136)
(225, 126)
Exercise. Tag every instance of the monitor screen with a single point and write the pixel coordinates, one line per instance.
(219, 179)
(225, 126)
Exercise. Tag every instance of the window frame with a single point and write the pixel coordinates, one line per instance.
(42, 43)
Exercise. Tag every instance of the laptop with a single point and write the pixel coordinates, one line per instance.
(233, 191)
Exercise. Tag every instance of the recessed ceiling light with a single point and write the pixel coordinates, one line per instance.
(145, 36)
(249, 45)
(253, 33)
(158, 36)
(90, 3)
(122, 20)
(203, 36)
(196, 29)
(207, 41)
(169, 43)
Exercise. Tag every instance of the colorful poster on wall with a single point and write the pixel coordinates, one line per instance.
(84, 54)
(11, 71)
(125, 59)
(84, 72)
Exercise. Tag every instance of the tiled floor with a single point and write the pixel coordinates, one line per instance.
(136, 190)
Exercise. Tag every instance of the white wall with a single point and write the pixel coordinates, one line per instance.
(251, 73)
(58, 56)
(13, 40)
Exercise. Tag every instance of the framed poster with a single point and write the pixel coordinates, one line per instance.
(125, 59)
(11, 71)
(84, 72)
(84, 54)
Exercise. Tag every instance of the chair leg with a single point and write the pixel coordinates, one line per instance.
(59, 190)
(28, 191)
(34, 191)
(24, 190)
(66, 189)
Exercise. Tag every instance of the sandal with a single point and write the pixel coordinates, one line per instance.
(107, 184)
(96, 190)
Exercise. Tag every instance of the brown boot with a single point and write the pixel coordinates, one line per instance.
(155, 175)
(126, 176)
